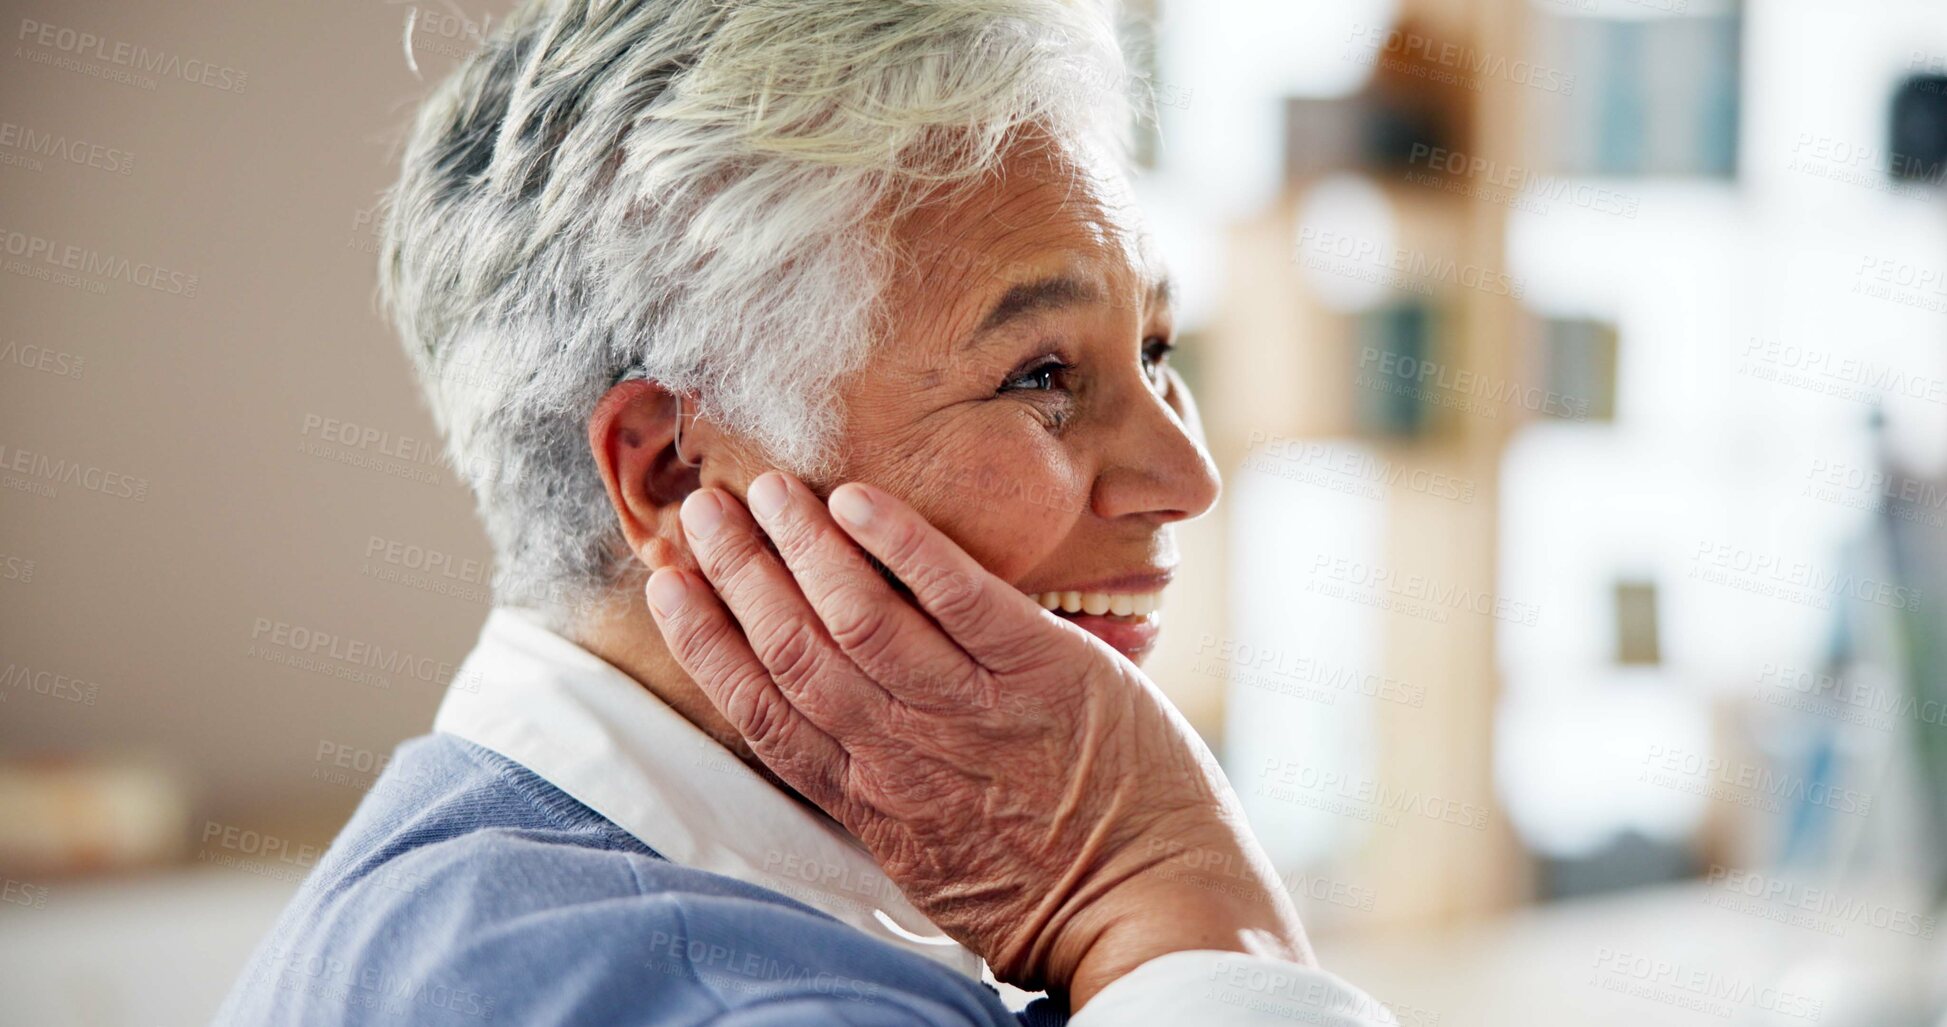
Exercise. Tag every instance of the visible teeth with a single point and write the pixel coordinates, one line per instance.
(1115, 604)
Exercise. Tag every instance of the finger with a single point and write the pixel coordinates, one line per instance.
(706, 642)
(883, 633)
(781, 627)
(991, 620)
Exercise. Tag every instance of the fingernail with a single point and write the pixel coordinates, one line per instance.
(767, 495)
(850, 504)
(666, 592)
(702, 514)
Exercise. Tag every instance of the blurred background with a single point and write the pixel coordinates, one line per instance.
(1571, 626)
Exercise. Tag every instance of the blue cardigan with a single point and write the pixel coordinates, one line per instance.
(467, 890)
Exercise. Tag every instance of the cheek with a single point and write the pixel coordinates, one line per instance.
(1008, 505)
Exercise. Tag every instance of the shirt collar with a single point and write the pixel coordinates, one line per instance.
(597, 734)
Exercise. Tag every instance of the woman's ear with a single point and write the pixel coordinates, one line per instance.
(632, 434)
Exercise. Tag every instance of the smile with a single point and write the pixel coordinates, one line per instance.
(1115, 604)
(1128, 621)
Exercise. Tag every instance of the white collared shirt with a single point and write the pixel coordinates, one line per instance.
(597, 734)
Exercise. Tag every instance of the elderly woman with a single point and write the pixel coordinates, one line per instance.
(812, 373)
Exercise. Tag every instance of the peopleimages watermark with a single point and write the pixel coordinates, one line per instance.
(364, 236)
(1412, 595)
(1833, 373)
(1697, 988)
(1354, 257)
(865, 887)
(1742, 783)
(1095, 85)
(376, 987)
(1877, 490)
(325, 652)
(1303, 997)
(731, 968)
(1794, 581)
(1412, 53)
(1474, 176)
(1933, 66)
(23, 893)
(54, 362)
(988, 487)
(27, 147)
(449, 33)
(20, 677)
(1920, 286)
(372, 448)
(1867, 166)
(1227, 872)
(353, 435)
(1795, 904)
(347, 766)
(1844, 699)
(1348, 470)
(24, 470)
(1283, 671)
(16, 568)
(1360, 798)
(82, 267)
(1468, 391)
(256, 852)
(427, 569)
(65, 48)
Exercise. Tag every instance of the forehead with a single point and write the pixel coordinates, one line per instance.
(1050, 212)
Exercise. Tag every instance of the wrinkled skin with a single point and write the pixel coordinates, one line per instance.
(1023, 783)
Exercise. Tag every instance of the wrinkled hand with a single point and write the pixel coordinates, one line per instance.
(1024, 784)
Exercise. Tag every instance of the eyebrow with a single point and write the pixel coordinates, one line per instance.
(1054, 292)
(1163, 293)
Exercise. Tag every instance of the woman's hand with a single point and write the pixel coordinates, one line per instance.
(1025, 785)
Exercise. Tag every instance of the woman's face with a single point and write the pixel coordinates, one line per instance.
(1024, 403)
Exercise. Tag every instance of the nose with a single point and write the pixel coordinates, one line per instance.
(1156, 465)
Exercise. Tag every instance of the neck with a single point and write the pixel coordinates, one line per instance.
(625, 635)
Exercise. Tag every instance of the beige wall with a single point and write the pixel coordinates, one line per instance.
(263, 194)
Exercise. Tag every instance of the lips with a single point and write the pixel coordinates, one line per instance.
(1130, 636)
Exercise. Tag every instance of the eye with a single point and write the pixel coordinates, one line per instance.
(1156, 354)
(1044, 375)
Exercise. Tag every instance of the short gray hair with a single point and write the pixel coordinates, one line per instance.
(694, 192)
